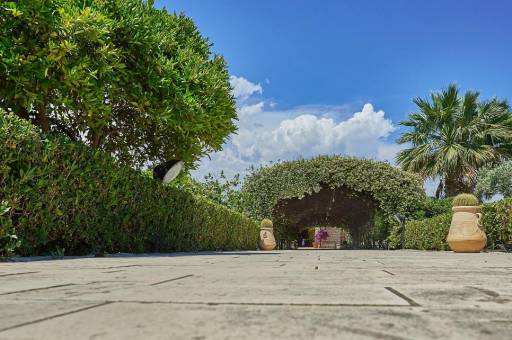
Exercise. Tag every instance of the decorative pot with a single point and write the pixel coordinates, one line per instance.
(267, 239)
(466, 234)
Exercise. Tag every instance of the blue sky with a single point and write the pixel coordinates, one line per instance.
(311, 66)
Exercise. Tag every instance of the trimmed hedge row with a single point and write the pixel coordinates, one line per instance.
(431, 233)
(497, 221)
(66, 196)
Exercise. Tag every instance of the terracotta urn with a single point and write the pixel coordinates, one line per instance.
(267, 239)
(466, 234)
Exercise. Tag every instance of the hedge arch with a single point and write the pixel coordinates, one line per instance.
(301, 191)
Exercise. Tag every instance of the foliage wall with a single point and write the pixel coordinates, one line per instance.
(497, 222)
(388, 231)
(430, 233)
(393, 190)
(64, 195)
(127, 78)
(432, 207)
(423, 234)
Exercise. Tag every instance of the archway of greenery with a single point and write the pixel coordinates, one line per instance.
(330, 190)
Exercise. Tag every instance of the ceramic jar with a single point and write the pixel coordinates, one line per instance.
(466, 234)
(267, 239)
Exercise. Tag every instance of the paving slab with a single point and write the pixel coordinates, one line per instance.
(17, 313)
(297, 294)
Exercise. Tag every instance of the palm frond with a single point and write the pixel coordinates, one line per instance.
(452, 136)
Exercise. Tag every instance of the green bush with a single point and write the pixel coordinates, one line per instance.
(386, 228)
(495, 180)
(8, 239)
(497, 222)
(432, 207)
(465, 200)
(434, 214)
(218, 189)
(375, 234)
(425, 234)
(65, 195)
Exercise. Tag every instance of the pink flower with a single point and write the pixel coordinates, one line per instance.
(321, 234)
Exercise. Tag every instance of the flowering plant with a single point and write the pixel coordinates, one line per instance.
(321, 235)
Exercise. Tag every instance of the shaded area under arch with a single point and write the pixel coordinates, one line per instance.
(337, 207)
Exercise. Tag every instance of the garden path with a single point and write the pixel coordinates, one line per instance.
(301, 294)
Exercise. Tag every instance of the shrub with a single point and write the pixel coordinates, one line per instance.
(497, 222)
(65, 195)
(218, 189)
(425, 234)
(8, 240)
(495, 180)
(433, 213)
(465, 200)
(432, 207)
(386, 228)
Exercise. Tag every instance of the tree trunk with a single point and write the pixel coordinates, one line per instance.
(43, 120)
(23, 113)
(95, 139)
(457, 185)
(440, 188)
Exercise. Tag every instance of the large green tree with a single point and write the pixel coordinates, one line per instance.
(121, 75)
(452, 135)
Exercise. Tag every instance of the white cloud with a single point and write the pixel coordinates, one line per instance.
(249, 110)
(387, 152)
(268, 134)
(243, 89)
(308, 134)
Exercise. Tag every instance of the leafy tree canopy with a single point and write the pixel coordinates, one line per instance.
(495, 180)
(392, 189)
(218, 189)
(129, 79)
(453, 135)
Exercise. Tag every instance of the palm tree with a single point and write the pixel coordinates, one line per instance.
(452, 136)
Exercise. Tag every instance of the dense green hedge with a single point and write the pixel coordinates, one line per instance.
(425, 234)
(65, 195)
(432, 207)
(497, 221)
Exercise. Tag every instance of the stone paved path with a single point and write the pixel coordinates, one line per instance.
(304, 294)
